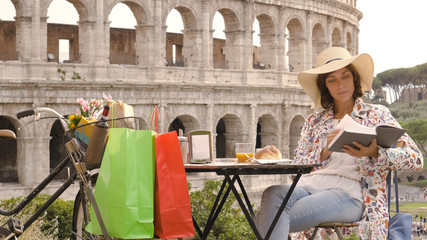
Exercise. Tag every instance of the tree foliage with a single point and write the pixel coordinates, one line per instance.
(418, 131)
(404, 112)
(401, 78)
(54, 223)
(413, 118)
(231, 223)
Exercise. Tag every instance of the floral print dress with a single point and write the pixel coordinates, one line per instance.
(374, 224)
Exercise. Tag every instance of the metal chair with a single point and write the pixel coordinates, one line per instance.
(335, 226)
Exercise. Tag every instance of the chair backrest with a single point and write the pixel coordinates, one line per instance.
(396, 190)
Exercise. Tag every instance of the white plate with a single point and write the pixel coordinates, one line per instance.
(271, 161)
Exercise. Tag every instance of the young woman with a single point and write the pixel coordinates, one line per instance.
(351, 185)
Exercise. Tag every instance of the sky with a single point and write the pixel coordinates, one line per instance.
(393, 32)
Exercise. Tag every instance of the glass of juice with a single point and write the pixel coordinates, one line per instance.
(245, 152)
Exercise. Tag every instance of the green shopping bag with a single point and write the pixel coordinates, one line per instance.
(124, 190)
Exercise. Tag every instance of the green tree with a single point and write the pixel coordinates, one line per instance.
(401, 78)
(418, 131)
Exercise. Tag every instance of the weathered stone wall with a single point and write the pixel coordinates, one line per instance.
(217, 84)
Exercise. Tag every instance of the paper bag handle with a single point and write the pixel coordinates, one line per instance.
(153, 119)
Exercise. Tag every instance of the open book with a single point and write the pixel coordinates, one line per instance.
(387, 135)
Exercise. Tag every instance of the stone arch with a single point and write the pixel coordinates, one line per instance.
(188, 15)
(349, 43)
(319, 42)
(230, 128)
(185, 122)
(8, 153)
(296, 125)
(336, 38)
(57, 32)
(233, 38)
(267, 131)
(296, 44)
(129, 45)
(231, 19)
(268, 48)
(20, 7)
(140, 12)
(82, 7)
(187, 54)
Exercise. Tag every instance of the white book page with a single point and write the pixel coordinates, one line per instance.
(348, 124)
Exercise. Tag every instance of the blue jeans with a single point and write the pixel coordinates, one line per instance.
(305, 210)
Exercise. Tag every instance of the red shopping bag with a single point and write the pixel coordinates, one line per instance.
(172, 209)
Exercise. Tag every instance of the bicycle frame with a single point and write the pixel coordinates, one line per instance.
(38, 190)
(74, 158)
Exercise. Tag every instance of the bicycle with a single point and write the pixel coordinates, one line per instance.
(83, 175)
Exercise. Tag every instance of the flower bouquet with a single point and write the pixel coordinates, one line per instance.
(87, 112)
(87, 109)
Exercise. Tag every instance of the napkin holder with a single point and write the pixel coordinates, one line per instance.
(200, 146)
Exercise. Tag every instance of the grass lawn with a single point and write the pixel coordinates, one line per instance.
(413, 208)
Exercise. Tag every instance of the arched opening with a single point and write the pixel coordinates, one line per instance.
(256, 45)
(267, 51)
(8, 152)
(8, 50)
(122, 34)
(267, 130)
(62, 32)
(294, 134)
(233, 40)
(258, 136)
(295, 48)
(218, 41)
(174, 39)
(185, 122)
(183, 45)
(176, 125)
(336, 38)
(348, 43)
(220, 139)
(231, 128)
(57, 151)
(319, 42)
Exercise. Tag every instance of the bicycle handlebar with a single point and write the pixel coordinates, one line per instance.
(25, 113)
(36, 112)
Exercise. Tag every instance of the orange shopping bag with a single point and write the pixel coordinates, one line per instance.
(172, 209)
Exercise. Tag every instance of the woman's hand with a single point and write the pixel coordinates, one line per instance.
(369, 151)
(325, 152)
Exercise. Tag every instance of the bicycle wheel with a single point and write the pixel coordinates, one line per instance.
(79, 223)
(4, 233)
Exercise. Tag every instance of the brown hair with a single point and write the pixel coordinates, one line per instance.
(326, 100)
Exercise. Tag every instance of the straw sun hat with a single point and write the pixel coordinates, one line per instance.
(330, 60)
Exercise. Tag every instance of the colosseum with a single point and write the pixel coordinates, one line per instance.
(238, 91)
